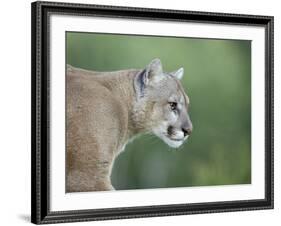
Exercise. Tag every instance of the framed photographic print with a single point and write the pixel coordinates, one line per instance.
(141, 112)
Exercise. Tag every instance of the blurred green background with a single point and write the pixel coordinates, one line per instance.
(218, 82)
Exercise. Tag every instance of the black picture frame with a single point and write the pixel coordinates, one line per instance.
(40, 211)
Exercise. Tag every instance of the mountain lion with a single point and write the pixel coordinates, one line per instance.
(107, 109)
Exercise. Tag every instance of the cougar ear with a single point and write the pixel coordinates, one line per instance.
(152, 74)
(178, 74)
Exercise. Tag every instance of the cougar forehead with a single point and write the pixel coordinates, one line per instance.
(168, 89)
(184, 98)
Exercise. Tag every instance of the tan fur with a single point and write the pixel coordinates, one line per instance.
(103, 113)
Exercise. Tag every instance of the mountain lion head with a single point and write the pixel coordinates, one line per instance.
(166, 103)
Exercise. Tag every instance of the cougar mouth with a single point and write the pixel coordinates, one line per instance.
(172, 142)
(169, 139)
(174, 139)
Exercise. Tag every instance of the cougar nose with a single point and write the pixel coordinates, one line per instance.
(186, 131)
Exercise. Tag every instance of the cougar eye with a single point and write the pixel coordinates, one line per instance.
(173, 106)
